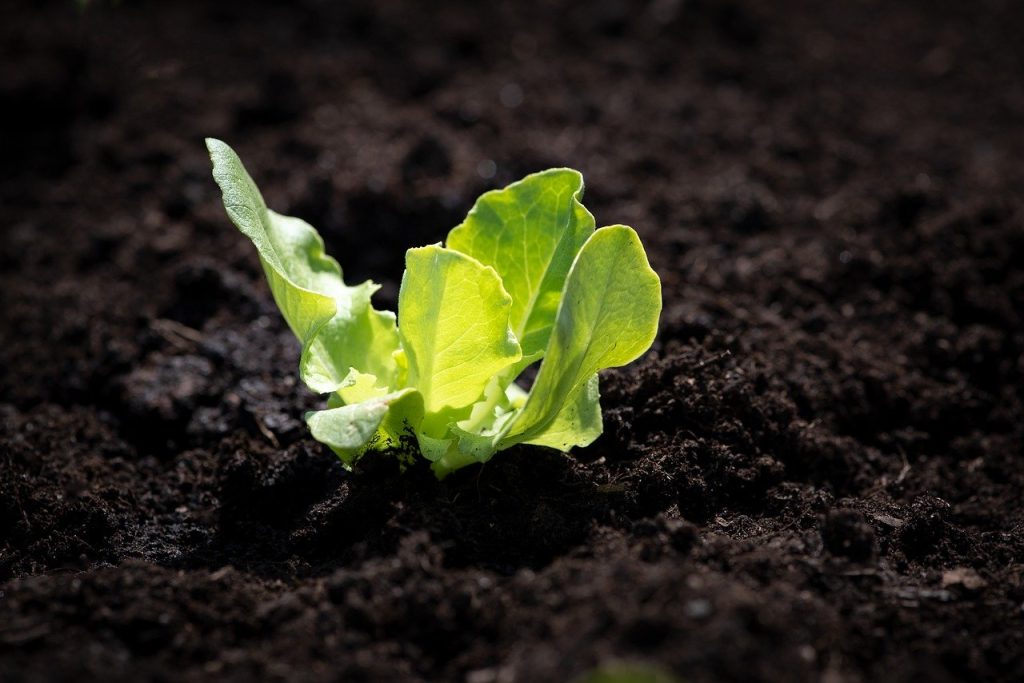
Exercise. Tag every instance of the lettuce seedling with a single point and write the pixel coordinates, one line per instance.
(525, 278)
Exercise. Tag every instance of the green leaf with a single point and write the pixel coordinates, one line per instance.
(358, 387)
(478, 434)
(307, 285)
(479, 437)
(578, 423)
(607, 318)
(358, 337)
(302, 278)
(529, 232)
(454, 328)
(374, 423)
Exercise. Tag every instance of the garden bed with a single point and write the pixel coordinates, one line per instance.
(816, 473)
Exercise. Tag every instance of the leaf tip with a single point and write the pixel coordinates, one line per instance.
(214, 145)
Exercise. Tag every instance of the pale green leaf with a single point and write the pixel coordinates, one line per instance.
(607, 318)
(358, 387)
(359, 337)
(478, 434)
(307, 285)
(376, 423)
(578, 423)
(529, 232)
(302, 278)
(516, 395)
(453, 315)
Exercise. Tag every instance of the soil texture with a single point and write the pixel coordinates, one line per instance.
(817, 473)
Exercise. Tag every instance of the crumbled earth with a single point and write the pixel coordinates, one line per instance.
(817, 473)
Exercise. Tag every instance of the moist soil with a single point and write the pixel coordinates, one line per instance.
(816, 474)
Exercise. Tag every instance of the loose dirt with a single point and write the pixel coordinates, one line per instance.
(816, 474)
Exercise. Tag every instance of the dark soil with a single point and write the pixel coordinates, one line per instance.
(816, 475)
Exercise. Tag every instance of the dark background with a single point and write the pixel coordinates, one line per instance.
(816, 474)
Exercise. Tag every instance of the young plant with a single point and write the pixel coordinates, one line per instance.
(525, 278)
